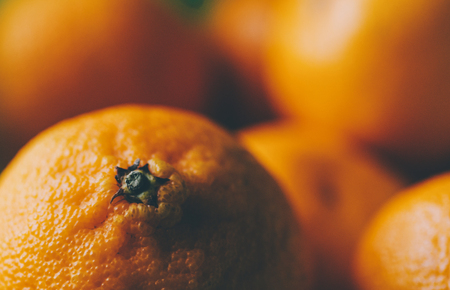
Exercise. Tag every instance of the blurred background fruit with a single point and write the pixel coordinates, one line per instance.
(378, 70)
(334, 187)
(406, 245)
(62, 58)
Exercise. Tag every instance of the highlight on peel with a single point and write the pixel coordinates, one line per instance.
(136, 197)
(406, 244)
(333, 186)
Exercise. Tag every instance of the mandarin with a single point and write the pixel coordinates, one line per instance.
(59, 59)
(406, 245)
(377, 69)
(140, 197)
(333, 185)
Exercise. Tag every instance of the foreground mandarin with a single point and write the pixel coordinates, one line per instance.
(59, 59)
(406, 245)
(137, 197)
(334, 186)
(377, 69)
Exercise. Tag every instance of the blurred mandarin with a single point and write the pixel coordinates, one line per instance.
(62, 58)
(406, 244)
(333, 186)
(377, 69)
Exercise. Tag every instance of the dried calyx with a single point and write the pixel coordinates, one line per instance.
(156, 187)
(137, 184)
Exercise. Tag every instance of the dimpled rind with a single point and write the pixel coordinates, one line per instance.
(58, 229)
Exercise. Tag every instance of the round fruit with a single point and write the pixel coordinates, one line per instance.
(377, 69)
(138, 197)
(333, 186)
(62, 58)
(406, 244)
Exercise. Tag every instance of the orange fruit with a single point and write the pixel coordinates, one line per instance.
(62, 58)
(333, 186)
(81, 211)
(376, 69)
(406, 244)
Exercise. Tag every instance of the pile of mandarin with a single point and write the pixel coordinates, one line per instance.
(225, 144)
